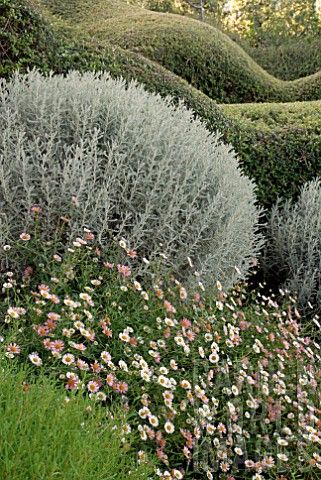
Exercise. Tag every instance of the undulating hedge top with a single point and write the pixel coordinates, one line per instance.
(198, 52)
(291, 59)
(31, 41)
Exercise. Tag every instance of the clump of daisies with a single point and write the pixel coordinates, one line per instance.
(216, 383)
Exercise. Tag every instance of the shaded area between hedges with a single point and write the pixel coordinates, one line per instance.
(292, 58)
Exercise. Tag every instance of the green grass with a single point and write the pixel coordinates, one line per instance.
(45, 438)
(201, 54)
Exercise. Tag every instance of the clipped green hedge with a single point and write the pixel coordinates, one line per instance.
(279, 145)
(24, 39)
(291, 59)
(133, 66)
(200, 53)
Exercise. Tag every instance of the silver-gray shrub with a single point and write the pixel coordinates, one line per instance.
(293, 252)
(139, 168)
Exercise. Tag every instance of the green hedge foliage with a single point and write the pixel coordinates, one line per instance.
(293, 58)
(279, 145)
(30, 41)
(24, 38)
(201, 54)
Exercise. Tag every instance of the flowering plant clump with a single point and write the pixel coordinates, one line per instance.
(215, 385)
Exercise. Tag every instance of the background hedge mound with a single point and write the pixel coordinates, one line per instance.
(292, 58)
(203, 55)
(279, 145)
(32, 37)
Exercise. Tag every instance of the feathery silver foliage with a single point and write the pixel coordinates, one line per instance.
(293, 251)
(137, 166)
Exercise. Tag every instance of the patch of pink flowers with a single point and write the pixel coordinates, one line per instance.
(203, 378)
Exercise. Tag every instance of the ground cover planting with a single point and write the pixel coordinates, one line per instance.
(250, 400)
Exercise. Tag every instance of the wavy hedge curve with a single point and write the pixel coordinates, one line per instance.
(201, 54)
